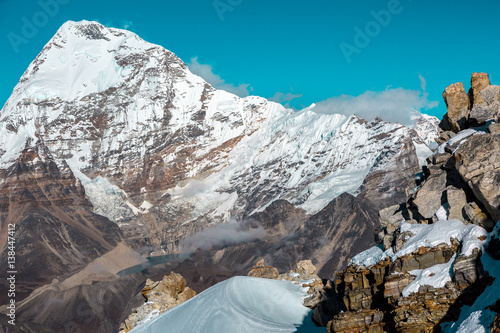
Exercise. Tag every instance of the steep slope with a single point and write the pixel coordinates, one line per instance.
(157, 147)
(56, 232)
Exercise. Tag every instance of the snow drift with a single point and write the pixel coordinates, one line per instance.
(240, 304)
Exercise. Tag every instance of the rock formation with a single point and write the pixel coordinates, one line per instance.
(394, 287)
(160, 297)
(458, 104)
(475, 108)
(304, 273)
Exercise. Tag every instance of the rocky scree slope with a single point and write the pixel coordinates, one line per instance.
(436, 266)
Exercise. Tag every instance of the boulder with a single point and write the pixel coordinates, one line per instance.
(474, 214)
(262, 271)
(485, 99)
(160, 296)
(478, 82)
(458, 105)
(456, 200)
(429, 197)
(478, 162)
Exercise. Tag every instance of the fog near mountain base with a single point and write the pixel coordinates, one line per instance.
(224, 234)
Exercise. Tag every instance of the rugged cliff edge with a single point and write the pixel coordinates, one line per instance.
(437, 266)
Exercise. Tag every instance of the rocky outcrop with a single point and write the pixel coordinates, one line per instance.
(467, 110)
(459, 182)
(304, 273)
(478, 162)
(261, 271)
(160, 296)
(485, 99)
(374, 301)
(458, 104)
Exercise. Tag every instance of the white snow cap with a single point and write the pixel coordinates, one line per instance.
(240, 304)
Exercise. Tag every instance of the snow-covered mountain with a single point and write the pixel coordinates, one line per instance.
(157, 147)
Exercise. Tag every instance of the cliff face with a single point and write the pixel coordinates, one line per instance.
(56, 231)
(438, 251)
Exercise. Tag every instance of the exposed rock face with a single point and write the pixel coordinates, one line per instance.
(485, 99)
(304, 273)
(460, 181)
(160, 297)
(458, 104)
(267, 272)
(56, 231)
(478, 162)
(386, 183)
(481, 104)
(374, 301)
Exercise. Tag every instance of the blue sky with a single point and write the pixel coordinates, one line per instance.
(381, 55)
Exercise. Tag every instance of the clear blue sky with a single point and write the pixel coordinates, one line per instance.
(287, 46)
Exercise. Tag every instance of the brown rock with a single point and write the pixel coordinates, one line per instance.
(262, 271)
(494, 128)
(475, 215)
(478, 162)
(369, 321)
(428, 197)
(478, 82)
(485, 99)
(160, 296)
(456, 201)
(458, 104)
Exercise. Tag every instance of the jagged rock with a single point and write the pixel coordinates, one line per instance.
(368, 321)
(475, 215)
(422, 311)
(456, 200)
(262, 271)
(478, 82)
(478, 162)
(494, 128)
(467, 270)
(458, 104)
(429, 197)
(304, 272)
(439, 158)
(485, 99)
(160, 297)
(379, 288)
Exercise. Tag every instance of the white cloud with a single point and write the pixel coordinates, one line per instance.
(284, 99)
(224, 234)
(423, 83)
(206, 72)
(392, 104)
